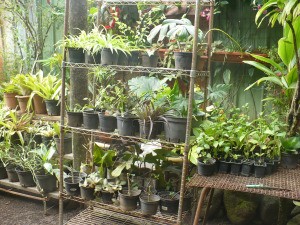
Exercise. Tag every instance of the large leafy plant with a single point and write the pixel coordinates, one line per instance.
(286, 13)
(179, 30)
(103, 159)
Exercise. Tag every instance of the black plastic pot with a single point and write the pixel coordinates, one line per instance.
(11, 173)
(67, 143)
(224, 166)
(149, 204)
(107, 197)
(93, 59)
(29, 137)
(108, 57)
(47, 140)
(87, 193)
(289, 161)
(149, 130)
(123, 59)
(247, 168)
(269, 167)
(183, 60)
(72, 186)
(175, 129)
(3, 173)
(25, 178)
(276, 164)
(149, 61)
(107, 123)
(90, 120)
(133, 59)
(76, 55)
(206, 169)
(260, 170)
(169, 202)
(52, 107)
(46, 183)
(235, 168)
(129, 202)
(126, 125)
(75, 119)
(187, 202)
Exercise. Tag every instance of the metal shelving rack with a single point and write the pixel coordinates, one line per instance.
(192, 74)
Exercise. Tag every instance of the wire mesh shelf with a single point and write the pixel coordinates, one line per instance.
(153, 2)
(100, 213)
(283, 183)
(139, 69)
(110, 137)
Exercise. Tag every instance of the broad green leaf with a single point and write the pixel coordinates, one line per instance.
(286, 50)
(291, 77)
(226, 76)
(260, 66)
(267, 60)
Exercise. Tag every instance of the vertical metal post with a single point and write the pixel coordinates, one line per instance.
(190, 114)
(62, 116)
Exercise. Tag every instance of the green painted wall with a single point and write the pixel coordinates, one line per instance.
(238, 20)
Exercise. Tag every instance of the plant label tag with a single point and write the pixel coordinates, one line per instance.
(164, 208)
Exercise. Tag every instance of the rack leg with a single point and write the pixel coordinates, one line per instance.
(203, 195)
(208, 205)
(45, 207)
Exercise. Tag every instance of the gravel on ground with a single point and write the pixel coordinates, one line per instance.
(16, 210)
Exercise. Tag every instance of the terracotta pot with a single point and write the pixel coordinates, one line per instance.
(23, 100)
(39, 105)
(10, 100)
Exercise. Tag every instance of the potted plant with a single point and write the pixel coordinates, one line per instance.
(149, 202)
(47, 133)
(21, 81)
(127, 123)
(71, 184)
(5, 157)
(44, 170)
(181, 33)
(88, 185)
(75, 48)
(289, 154)
(106, 101)
(33, 83)
(25, 162)
(109, 189)
(75, 116)
(67, 138)
(14, 126)
(48, 88)
(169, 202)
(130, 196)
(151, 104)
(176, 117)
(10, 91)
(112, 46)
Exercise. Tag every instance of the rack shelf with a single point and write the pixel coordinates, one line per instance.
(32, 190)
(139, 69)
(153, 2)
(113, 136)
(97, 211)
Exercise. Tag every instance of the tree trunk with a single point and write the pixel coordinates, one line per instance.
(78, 77)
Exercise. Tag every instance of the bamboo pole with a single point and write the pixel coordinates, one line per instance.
(190, 114)
(62, 117)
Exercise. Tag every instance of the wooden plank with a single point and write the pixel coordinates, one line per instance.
(33, 190)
